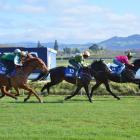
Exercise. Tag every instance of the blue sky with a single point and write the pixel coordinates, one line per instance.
(68, 21)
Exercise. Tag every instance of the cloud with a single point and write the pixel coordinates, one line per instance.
(4, 6)
(31, 9)
(71, 20)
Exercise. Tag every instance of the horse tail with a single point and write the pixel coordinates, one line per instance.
(46, 75)
(41, 76)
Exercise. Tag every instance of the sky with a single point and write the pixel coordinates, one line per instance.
(67, 21)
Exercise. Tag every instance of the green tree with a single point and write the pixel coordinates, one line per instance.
(39, 45)
(94, 47)
(56, 45)
(67, 50)
(75, 50)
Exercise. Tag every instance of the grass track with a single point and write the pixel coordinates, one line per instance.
(76, 119)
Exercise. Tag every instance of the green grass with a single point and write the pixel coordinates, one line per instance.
(76, 119)
(65, 88)
(66, 63)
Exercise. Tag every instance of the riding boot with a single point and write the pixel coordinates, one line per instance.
(120, 77)
(77, 74)
(77, 77)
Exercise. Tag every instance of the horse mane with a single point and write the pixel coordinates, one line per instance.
(31, 59)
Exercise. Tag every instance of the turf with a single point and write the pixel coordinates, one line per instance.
(76, 119)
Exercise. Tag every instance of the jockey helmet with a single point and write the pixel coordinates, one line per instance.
(86, 53)
(16, 51)
(129, 54)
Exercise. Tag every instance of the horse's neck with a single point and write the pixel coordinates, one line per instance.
(27, 70)
(134, 69)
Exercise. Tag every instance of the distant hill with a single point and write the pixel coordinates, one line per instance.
(114, 43)
(49, 45)
(122, 43)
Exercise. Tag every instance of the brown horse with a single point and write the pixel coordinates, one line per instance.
(103, 75)
(19, 79)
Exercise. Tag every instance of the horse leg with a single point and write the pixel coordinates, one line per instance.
(2, 94)
(75, 93)
(94, 88)
(5, 92)
(48, 85)
(87, 92)
(29, 94)
(109, 90)
(26, 87)
(17, 90)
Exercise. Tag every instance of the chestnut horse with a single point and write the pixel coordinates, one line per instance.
(19, 79)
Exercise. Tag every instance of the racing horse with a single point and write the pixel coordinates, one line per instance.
(18, 80)
(58, 74)
(103, 75)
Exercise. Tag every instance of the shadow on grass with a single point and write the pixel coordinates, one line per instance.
(75, 100)
(34, 102)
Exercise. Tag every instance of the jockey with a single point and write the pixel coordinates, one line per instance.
(123, 60)
(79, 61)
(12, 60)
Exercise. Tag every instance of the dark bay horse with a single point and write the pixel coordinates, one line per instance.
(19, 79)
(103, 75)
(57, 75)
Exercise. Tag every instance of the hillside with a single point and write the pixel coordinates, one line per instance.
(114, 43)
(122, 43)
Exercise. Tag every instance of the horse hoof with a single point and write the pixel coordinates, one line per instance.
(25, 100)
(118, 98)
(90, 101)
(66, 98)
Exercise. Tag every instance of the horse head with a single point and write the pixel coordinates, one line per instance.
(36, 63)
(136, 64)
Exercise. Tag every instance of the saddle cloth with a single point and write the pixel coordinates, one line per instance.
(2, 69)
(70, 72)
(115, 68)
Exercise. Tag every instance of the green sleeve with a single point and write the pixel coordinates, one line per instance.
(79, 58)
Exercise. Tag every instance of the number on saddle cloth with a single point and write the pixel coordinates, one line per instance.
(3, 70)
(70, 72)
